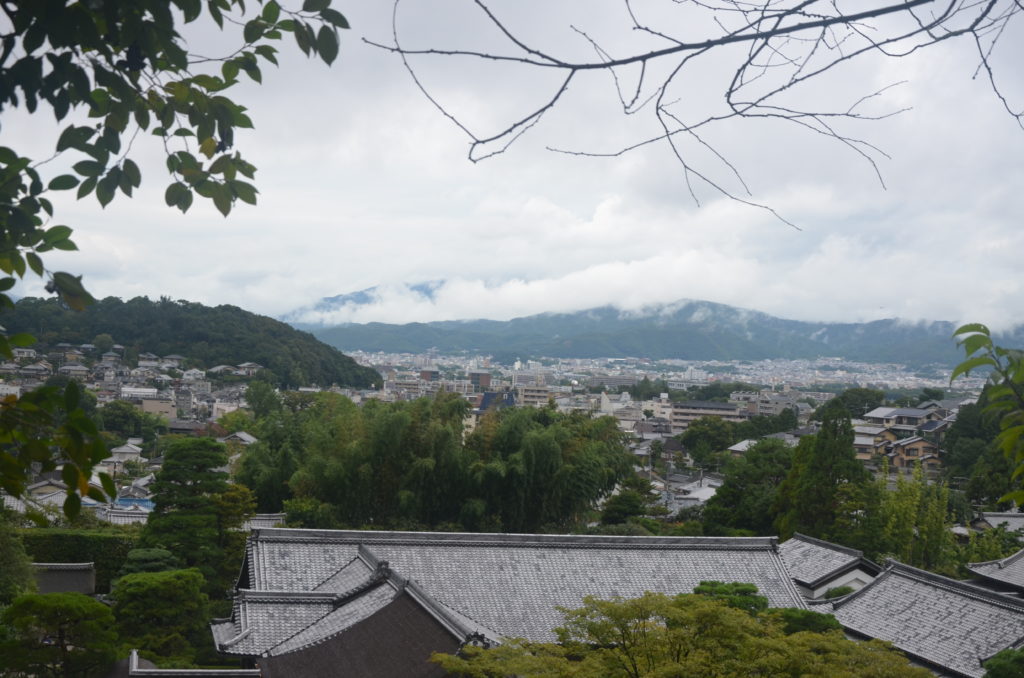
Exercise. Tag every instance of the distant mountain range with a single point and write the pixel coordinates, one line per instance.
(689, 330)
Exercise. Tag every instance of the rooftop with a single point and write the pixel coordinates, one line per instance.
(943, 622)
(812, 562)
(502, 585)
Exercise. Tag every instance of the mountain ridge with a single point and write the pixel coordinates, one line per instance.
(687, 329)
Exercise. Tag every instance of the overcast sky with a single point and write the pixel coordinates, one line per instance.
(364, 184)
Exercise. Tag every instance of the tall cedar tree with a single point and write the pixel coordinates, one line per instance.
(822, 464)
(191, 517)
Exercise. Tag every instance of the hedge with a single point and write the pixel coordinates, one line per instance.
(108, 550)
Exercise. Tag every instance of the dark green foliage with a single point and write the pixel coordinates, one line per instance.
(795, 620)
(762, 425)
(706, 436)
(734, 594)
(837, 591)
(16, 573)
(149, 560)
(857, 401)
(196, 512)
(1005, 664)
(210, 336)
(107, 549)
(809, 497)
(750, 490)
(406, 465)
(624, 505)
(123, 420)
(58, 634)
(162, 613)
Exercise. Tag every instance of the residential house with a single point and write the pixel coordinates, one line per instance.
(22, 353)
(172, 361)
(908, 452)
(74, 370)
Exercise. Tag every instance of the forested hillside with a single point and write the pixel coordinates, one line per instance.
(690, 330)
(207, 335)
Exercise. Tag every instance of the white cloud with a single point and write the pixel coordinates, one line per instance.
(364, 184)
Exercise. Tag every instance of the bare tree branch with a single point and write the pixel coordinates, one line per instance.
(789, 45)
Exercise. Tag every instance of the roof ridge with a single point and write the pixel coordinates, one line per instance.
(335, 573)
(1000, 562)
(955, 586)
(827, 544)
(298, 535)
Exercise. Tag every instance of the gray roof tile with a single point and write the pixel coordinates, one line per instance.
(513, 583)
(1013, 521)
(812, 561)
(1009, 570)
(941, 621)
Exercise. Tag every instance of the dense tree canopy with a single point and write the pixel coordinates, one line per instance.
(209, 336)
(63, 635)
(331, 463)
(686, 635)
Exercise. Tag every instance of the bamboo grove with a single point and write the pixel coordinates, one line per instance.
(409, 465)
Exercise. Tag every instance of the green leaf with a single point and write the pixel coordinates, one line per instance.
(971, 328)
(334, 17)
(108, 484)
(107, 186)
(222, 199)
(267, 52)
(71, 396)
(96, 494)
(253, 30)
(21, 339)
(35, 263)
(72, 505)
(56, 234)
(968, 365)
(71, 291)
(245, 192)
(303, 38)
(173, 194)
(315, 5)
(229, 70)
(327, 44)
(131, 170)
(88, 168)
(7, 283)
(64, 182)
(271, 12)
(973, 343)
(86, 187)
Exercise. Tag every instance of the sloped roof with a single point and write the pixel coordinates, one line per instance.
(1009, 570)
(1014, 521)
(812, 562)
(946, 623)
(512, 584)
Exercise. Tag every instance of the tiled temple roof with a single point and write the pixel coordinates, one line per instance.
(495, 584)
(942, 622)
(812, 561)
(1009, 570)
